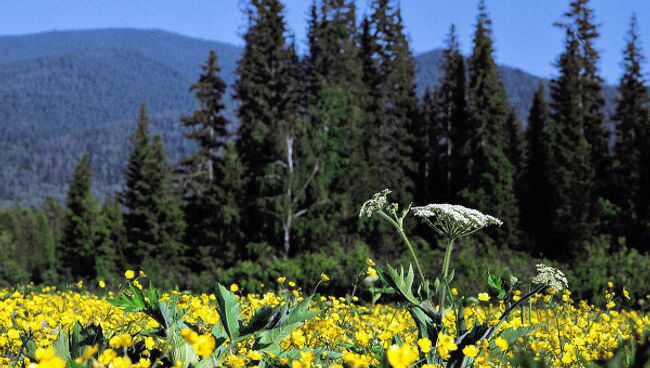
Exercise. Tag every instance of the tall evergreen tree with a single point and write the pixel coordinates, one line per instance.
(451, 117)
(591, 98)
(333, 54)
(571, 171)
(222, 232)
(397, 115)
(431, 171)
(111, 239)
(632, 150)
(77, 249)
(536, 215)
(153, 218)
(268, 97)
(491, 177)
(208, 128)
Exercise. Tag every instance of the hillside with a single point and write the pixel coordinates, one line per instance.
(63, 93)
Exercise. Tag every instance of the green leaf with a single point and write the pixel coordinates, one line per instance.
(229, 312)
(497, 284)
(260, 320)
(513, 334)
(62, 345)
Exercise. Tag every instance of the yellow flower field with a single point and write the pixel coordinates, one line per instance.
(342, 333)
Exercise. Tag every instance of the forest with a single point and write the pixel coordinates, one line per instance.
(319, 133)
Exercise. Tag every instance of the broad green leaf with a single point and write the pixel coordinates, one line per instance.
(229, 312)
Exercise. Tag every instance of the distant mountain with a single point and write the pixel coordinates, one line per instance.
(64, 93)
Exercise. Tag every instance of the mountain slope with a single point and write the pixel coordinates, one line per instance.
(65, 93)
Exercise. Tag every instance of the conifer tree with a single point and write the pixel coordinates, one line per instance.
(333, 54)
(632, 120)
(222, 232)
(591, 99)
(153, 218)
(111, 239)
(268, 97)
(397, 114)
(451, 117)
(571, 172)
(431, 171)
(138, 217)
(208, 128)
(536, 215)
(77, 249)
(491, 177)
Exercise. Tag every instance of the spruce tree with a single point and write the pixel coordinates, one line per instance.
(397, 114)
(571, 172)
(136, 198)
(208, 128)
(168, 249)
(153, 218)
(632, 120)
(77, 249)
(268, 97)
(451, 117)
(490, 184)
(591, 99)
(111, 239)
(432, 170)
(535, 182)
(223, 236)
(333, 54)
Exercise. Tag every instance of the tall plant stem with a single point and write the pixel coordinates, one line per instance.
(445, 273)
(399, 225)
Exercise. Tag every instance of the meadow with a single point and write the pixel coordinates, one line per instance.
(513, 324)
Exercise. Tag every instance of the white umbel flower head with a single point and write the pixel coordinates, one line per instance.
(454, 221)
(550, 276)
(377, 203)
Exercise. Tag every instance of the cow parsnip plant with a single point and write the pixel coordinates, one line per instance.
(454, 222)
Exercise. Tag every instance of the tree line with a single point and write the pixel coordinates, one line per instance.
(318, 134)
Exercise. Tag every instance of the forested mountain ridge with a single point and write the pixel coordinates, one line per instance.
(66, 92)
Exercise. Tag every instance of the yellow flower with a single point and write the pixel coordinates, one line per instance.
(282, 279)
(255, 355)
(149, 342)
(102, 284)
(324, 277)
(47, 358)
(484, 297)
(121, 362)
(121, 341)
(424, 344)
(471, 351)
(292, 284)
(142, 274)
(370, 262)
(626, 293)
(80, 284)
(204, 345)
(129, 274)
(501, 343)
(88, 353)
(445, 345)
(611, 304)
(189, 336)
(354, 360)
(402, 356)
(306, 358)
(610, 284)
(454, 291)
(371, 272)
(234, 288)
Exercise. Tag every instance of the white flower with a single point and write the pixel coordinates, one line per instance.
(377, 203)
(454, 220)
(550, 276)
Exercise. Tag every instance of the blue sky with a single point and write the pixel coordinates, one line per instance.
(524, 35)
